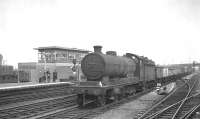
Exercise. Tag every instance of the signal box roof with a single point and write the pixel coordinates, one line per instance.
(60, 48)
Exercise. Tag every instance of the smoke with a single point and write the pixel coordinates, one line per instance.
(189, 9)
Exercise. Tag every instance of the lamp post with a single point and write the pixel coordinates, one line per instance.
(45, 67)
(18, 76)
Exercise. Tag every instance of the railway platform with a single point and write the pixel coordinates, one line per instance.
(29, 85)
(5, 85)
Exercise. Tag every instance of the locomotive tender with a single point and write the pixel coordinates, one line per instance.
(112, 77)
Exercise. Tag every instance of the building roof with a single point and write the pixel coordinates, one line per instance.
(60, 48)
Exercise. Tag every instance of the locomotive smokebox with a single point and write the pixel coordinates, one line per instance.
(97, 49)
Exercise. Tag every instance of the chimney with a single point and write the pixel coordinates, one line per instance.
(97, 48)
(112, 53)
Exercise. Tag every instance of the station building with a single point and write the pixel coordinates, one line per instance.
(54, 64)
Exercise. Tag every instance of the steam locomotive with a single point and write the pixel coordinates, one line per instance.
(112, 77)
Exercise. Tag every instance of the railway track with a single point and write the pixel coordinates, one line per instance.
(74, 112)
(30, 101)
(11, 97)
(180, 113)
(86, 113)
(34, 108)
(177, 104)
(194, 113)
(52, 104)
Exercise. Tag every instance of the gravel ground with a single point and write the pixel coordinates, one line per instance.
(129, 110)
(132, 109)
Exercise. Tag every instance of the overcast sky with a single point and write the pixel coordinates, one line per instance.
(166, 31)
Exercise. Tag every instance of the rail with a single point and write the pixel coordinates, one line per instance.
(174, 110)
(86, 113)
(37, 108)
